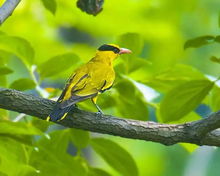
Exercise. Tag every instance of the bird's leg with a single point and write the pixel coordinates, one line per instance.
(99, 109)
(94, 99)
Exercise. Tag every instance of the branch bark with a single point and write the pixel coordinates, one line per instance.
(201, 132)
(7, 9)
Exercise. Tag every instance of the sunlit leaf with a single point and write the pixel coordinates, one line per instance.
(189, 147)
(183, 99)
(3, 174)
(60, 146)
(59, 64)
(130, 101)
(2, 33)
(215, 59)
(50, 5)
(199, 41)
(3, 114)
(174, 76)
(40, 124)
(21, 138)
(217, 38)
(18, 128)
(4, 56)
(132, 41)
(5, 70)
(136, 68)
(23, 84)
(3, 81)
(219, 20)
(51, 155)
(116, 156)
(97, 172)
(215, 99)
(190, 117)
(19, 46)
(14, 156)
(79, 138)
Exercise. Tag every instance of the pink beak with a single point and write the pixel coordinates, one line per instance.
(125, 51)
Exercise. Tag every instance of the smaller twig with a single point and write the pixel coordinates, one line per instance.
(7, 9)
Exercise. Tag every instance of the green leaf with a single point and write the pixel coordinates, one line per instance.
(4, 56)
(199, 41)
(5, 70)
(3, 113)
(219, 20)
(59, 64)
(60, 146)
(183, 99)
(130, 101)
(217, 39)
(97, 172)
(192, 116)
(136, 68)
(130, 62)
(50, 5)
(51, 155)
(19, 128)
(79, 138)
(24, 139)
(14, 156)
(165, 80)
(215, 59)
(139, 69)
(23, 84)
(40, 124)
(215, 99)
(19, 47)
(189, 147)
(18, 131)
(2, 33)
(3, 81)
(115, 156)
(3, 174)
(132, 41)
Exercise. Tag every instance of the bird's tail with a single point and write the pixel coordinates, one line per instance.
(58, 113)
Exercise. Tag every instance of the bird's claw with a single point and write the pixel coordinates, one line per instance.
(99, 113)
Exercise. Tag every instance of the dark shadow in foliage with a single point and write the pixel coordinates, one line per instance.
(92, 7)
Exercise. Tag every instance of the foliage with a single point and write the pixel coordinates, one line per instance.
(168, 78)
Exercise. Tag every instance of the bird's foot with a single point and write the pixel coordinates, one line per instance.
(99, 113)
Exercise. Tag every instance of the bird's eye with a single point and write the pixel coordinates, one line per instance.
(116, 50)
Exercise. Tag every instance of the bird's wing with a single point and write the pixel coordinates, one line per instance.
(85, 83)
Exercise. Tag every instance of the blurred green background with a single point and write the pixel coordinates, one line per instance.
(39, 49)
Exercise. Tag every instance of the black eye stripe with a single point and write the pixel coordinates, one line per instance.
(109, 48)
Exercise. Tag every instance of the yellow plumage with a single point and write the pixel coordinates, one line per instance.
(88, 81)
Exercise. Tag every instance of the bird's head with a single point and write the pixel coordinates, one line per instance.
(112, 50)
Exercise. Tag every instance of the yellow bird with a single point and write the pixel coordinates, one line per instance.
(88, 81)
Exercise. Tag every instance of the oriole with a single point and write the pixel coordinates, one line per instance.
(88, 81)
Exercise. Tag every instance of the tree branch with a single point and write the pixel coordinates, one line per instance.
(7, 9)
(199, 132)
